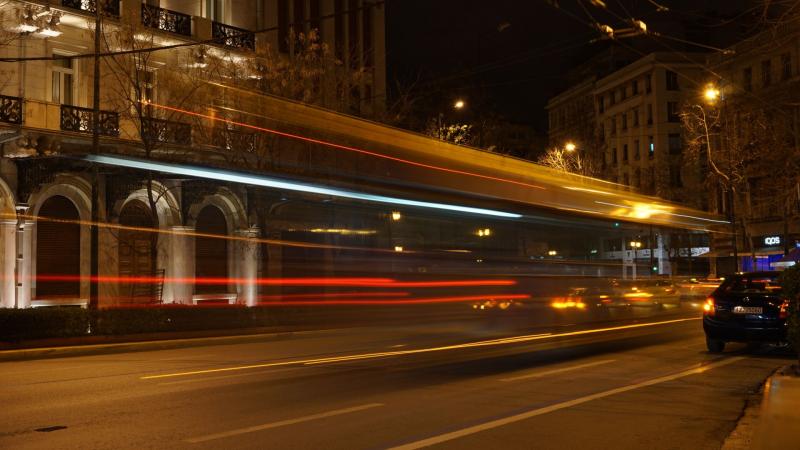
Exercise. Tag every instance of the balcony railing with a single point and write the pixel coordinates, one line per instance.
(166, 20)
(75, 118)
(233, 140)
(232, 36)
(167, 132)
(111, 7)
(10, 109)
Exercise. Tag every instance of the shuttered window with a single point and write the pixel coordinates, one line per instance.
(211, 254)
(58, 249)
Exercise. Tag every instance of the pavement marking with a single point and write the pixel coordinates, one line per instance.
(561, 370)
(563, 405)
(486, 343)
(282, 423)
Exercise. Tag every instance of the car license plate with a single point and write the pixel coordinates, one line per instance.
(747, 310)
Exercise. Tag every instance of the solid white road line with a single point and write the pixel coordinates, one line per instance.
(563, 405)
(561, 370)
(282, 423)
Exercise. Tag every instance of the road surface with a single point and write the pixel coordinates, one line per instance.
(644, 383)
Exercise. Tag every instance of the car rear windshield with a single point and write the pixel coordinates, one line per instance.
(756, 284)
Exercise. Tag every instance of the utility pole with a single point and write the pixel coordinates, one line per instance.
(93, 229)
(732, 197)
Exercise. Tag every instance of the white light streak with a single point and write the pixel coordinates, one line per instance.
(234, 177)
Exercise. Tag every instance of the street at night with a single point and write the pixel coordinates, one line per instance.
(616, 387)
(399, 224)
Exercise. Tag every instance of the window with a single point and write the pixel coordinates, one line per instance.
(612, 97)
(672, 81)
(613, 126)
(352, 34)
(314, 15)
(338, 29)
(625, 180)
(636, 117)
(283, 26)
(601, 104)
(675, 176)
(366, 35)
(625, 152)
(636, 155)
(63, 84)
(651, 149)
(602, 132)
(675, 144)
(747, 79)
(623, 93)
(624, 117)
(786, 66)
(634, 87)
(614, 156)
(649, 114)
(672, 112)
(766, 73)
(648, 86)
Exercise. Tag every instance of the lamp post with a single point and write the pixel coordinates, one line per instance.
(635, 245)
(712, 96)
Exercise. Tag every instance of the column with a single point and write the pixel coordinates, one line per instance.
(664, 267)
(246, 264)
(8, 262)
(25, 263)
(181, 268)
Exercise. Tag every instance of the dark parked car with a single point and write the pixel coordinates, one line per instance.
(746, 307)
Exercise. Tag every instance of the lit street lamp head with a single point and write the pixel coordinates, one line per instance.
(570, 147)
(711, 93)
(459, 104)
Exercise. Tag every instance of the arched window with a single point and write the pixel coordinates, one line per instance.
(137, 253)
(211, 254)
(58, 249)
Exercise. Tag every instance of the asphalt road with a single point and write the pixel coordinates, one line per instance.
(644, 383)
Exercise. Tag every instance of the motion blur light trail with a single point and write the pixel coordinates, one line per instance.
(484, 343)
(357, 282)
(344, 147)
(410, 301)
(205, 235)
(243, 178)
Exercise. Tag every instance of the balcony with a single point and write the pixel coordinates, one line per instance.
(167, 132)
(233, 140)
(233, 37)
(111, 7)
(75, 118)
(10, 109)
(166, 20)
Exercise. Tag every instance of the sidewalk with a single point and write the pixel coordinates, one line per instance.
(779, 424)
(771, 420)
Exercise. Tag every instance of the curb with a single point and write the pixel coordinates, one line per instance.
(134, 343)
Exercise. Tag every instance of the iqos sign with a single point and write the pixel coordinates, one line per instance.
(772, 240)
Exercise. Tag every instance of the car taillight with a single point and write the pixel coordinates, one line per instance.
(708, 307)
(784, 310)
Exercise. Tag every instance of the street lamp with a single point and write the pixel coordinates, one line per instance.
(635, 245)
(459, 104)
(711, 93)
(552, 252)
(396, 215)
(570, 147)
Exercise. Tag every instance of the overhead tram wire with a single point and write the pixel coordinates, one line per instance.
(219, 40)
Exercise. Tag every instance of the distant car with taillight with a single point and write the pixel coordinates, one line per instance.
(652, 292)
(746, 307)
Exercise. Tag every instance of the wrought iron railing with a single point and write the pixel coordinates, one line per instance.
(166, 20)
(166, 131)
(110, 7)
(233, 140)
(10, 109)
(75, 118)
(232, 36)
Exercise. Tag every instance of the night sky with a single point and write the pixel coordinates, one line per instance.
(508, 57)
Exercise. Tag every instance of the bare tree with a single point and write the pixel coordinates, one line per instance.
(560, 159)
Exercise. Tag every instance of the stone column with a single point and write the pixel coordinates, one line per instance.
(181, 267)
(246, 264)
(8, 262)
(664, 266)
(25, 264)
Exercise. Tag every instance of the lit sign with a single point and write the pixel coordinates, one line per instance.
(772, 240)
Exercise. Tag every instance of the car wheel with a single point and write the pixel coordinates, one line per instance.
(715, 345)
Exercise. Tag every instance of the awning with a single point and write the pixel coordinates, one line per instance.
(725, 252)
